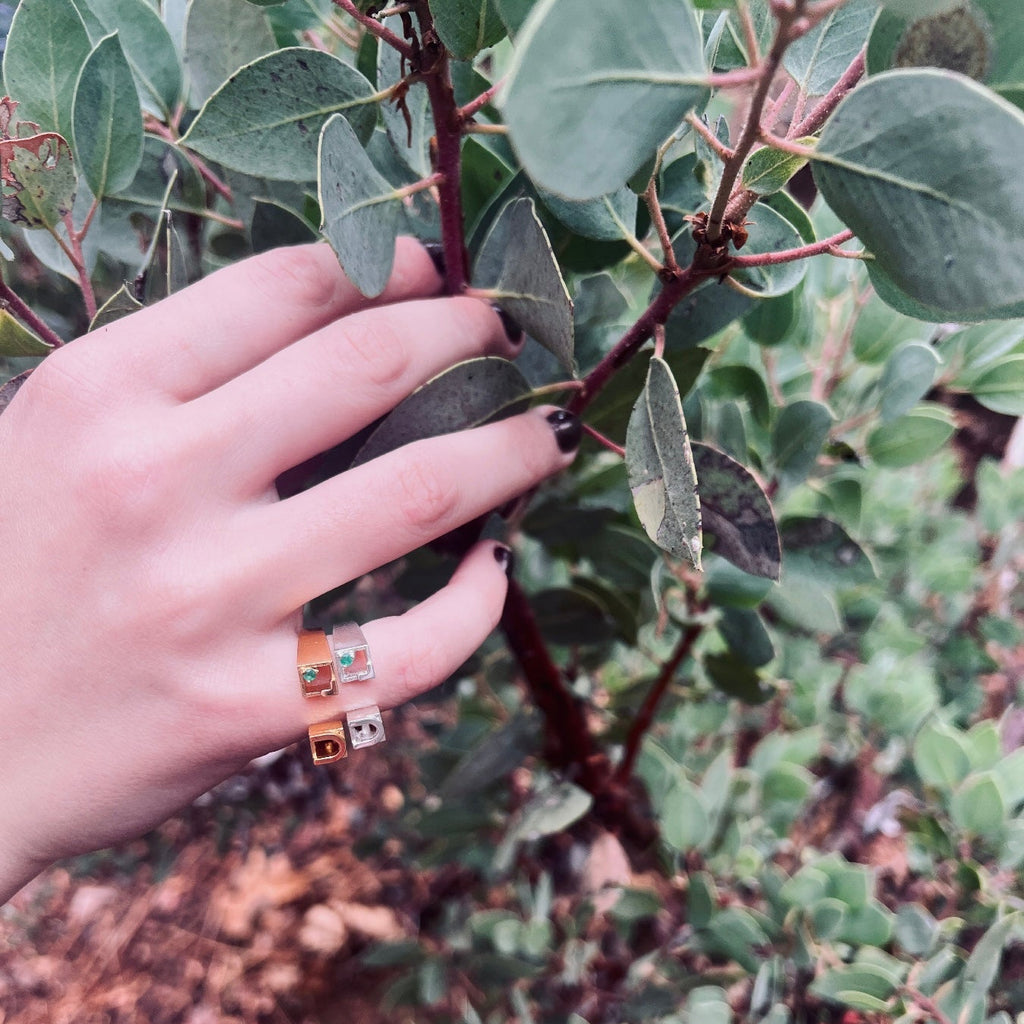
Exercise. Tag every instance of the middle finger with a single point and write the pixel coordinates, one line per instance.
(327, 386)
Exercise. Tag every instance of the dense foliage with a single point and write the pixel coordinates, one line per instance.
(766, 634)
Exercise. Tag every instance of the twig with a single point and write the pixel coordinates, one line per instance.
(785, 33)
(10, 300)
(828, 246)
(659, 340)
(74, 253)
(476, 105)
(732, 79)
(828, 103)
(749, 33)
(772, 110)
(787, 145)
(605, 442)
(645, 716)
(927, 1004)
(472, 128)
(419, 186)
(162, 131)
(709, 137)
(376, 28)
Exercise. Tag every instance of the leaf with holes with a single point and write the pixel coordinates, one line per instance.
(39, 180)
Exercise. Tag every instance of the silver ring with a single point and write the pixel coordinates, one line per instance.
(365, 727)
(352, 661)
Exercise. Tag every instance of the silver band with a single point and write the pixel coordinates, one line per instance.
(352, 661)
(365, 727)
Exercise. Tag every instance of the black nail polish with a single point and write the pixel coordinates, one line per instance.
(513, 331)
(568, 429)
(435, 250)
(504, 557)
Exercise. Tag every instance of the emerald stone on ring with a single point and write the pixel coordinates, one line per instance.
(352, 660)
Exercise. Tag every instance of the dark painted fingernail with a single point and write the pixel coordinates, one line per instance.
(513, 331)
(504, 557)
(568, 430)
(435, 250)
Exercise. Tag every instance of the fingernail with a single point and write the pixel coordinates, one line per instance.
(435, 250)
(513, 331)
(568, 429)
(504, 557)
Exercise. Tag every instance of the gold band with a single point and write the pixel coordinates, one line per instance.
(315, 664)
(327, 742)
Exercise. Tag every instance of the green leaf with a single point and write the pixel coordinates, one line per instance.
(879, 331)
(121, 303)
(841, 984)
(940, 756)
(467, 26)
(572, 615)
(360, 209)
(550, 810)
(660, 466)
(148, 48)
(603, 218)
(39, 180)
(266, 119)
(584, 117)
(467, 395)
(221, 36)
(107, 120)
(520, 273)
(735, 933)
(1000, 387)
(821, 550)
(767, 170)
(931, 209)
(980, 38)
(17, 340)
(797, 438)
(982, 967)
(907, 376)
(911, 438)
(745, 633)
(684, 818)
(736, 513)
(736, 677)
(818, 59)
(977, 806)
(915, 929)
(46, 48)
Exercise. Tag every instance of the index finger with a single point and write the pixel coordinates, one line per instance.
(219, 327)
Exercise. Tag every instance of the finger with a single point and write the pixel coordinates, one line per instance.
(200, 337)
(324, 388)
(411, 652)
(372, 514)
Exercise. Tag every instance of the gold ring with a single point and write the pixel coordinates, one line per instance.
(315, 664)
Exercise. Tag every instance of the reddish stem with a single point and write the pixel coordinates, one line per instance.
(567, 739)
(605, 442)
(645, 716)
(476, 105)
(10, 300)
(771, 259)
(828, 103)
(376, 28)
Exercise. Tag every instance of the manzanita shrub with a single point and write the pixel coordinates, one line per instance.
(772, 253)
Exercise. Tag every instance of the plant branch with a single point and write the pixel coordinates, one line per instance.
(709, 137)
(373, 26)
(10, 300)
(770, 259)
(472, 128)
(605, 442)
(786, 31)
(73, 250)
(787, 145)
(645, 716)
(749, 33)
(927, 1004)
(476, 105)
(435, 72)
(568, 742)
(419, 186)
(814, 121)
(732, 79)
(162, 131)
(658, 220)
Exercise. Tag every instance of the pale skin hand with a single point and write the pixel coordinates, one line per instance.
(151, 578)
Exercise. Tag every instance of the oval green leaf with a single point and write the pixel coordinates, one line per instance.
(818, 59)
(468, 394)
(940, 757)
(1000, 386)
(932, 209)
(107, 120)
(906, 379)
(520, 273)
(660, 467)
(360, 209)
(17, 340)
(736, 513)
(466, 26)
(977, 807)
(597, 85)
(46, 47)
(911, 438)
(767, 170)
(797, 438)
(266, 119)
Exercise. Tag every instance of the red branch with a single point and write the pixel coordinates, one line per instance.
(645, 716)
(828, 103)
(476, 105)
(10, 300)
(376, 28)
(771, 259)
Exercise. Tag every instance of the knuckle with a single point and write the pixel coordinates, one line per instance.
(374, 352)
(128, 477)
(299, 272)
(426, 498)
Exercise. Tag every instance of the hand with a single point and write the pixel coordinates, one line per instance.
(152, 580)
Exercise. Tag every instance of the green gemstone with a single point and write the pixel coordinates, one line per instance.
(309, 674)
(346, 659)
